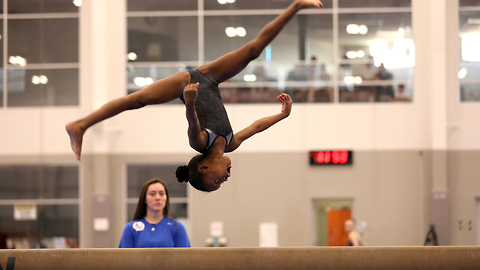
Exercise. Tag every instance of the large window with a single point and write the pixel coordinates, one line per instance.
(137, 175)
(39, 206)
(469, 33)
(348, 51)
(42, 47)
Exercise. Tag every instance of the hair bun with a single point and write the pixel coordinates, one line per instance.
(182, 173)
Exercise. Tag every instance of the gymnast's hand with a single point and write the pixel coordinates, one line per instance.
(309, 3)
(286, 101)
(190, 93)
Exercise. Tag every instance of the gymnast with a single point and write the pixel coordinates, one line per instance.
(209, 130)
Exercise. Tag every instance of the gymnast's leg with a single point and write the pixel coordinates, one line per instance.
(161, 91)
(232, 63)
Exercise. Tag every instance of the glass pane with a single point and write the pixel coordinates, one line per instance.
(163, 38)
(374, 3)
(177, 210)
(41, 6)
(46, 87)
(44, 41)
(367, 82)
(469, 72)
(56, 226)
(469, 75)
(263, 82)
(38, 182)
(161, 5)
(137, 175)
(377, 57)
(253, 4)
(139, 77)
(469, 3)
(285, 47)
(1, 62)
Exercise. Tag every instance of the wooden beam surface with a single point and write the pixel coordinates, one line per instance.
(448, 257)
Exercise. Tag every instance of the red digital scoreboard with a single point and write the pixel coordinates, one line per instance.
(331, 157)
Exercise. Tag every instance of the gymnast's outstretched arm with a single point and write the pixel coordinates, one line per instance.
(198, 140)
(262, 123)
(232, 63)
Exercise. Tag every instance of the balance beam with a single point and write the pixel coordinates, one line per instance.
(243, 258)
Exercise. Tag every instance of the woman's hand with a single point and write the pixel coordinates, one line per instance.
(286, 101)
(190, 93)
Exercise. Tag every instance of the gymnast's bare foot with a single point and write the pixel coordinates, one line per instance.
(76, 136)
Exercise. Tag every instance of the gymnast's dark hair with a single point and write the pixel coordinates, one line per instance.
(190, 173)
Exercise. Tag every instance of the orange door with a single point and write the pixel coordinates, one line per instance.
(337, 236)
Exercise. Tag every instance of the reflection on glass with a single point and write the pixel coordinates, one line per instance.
(43, 87)
(56, 40)
(469, 74)
(41, 6)
(163, 38)
(377, 57)
(469, 70)
(137, 175)
(252, 4)
(161, 5)
(38, 182)
(364, 81)
(285, 47)
(139, 77)
(56, 226)
(468, 3)
(373, 3)
(259, 82)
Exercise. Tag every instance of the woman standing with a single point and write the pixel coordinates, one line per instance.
(152, 227)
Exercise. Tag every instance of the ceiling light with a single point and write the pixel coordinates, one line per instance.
(360, 54)
(132, 56)
(230, 31)
(77, 3)
(43, 79)
(35, 79)
(462, 73)
(358, 80)
(348, 80)
(351, 54)
(352, 29)
(363, 29)
(240, 31)
(222, 2)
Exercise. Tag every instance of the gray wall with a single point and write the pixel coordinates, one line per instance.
(390, 191)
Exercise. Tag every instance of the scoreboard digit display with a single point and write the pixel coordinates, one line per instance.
(331, 157)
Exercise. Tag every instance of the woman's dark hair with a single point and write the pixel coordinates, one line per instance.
(190, 173)
(141, 210)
